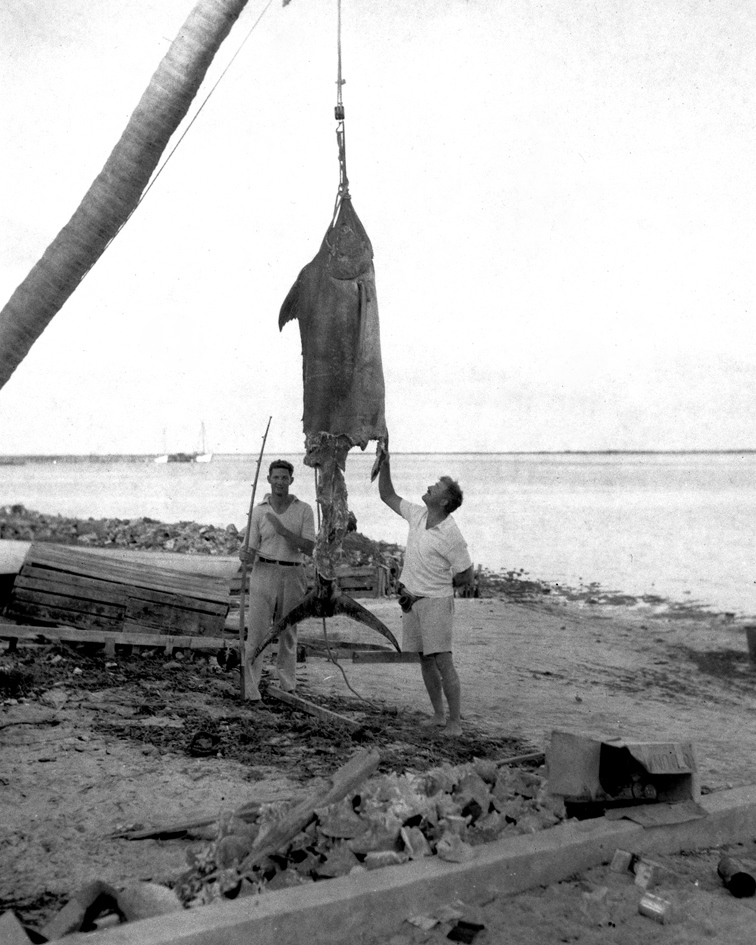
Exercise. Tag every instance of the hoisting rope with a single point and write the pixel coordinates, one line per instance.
(339, 115)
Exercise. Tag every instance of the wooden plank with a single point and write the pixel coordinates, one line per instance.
(63, 558)
(77, 604)
(60, 617)
(72, 585)
(200, 605)
(325, 715)
(173, 619)
(44, 579)
(381, 656)
(521, 759)
(247, 812)
(347, 779)
(79, 635)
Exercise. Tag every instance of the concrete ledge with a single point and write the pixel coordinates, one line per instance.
(377, 902)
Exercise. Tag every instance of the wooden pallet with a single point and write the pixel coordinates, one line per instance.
(92, 591)
(166, 641)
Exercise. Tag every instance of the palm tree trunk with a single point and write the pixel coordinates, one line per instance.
(116, 191)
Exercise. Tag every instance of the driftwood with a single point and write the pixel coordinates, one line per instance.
(347, 779)
(521, 759)
(325, 715)
(384, 656)
(44, 721)
(249, 810)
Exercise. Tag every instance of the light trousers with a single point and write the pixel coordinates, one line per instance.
(273, 590)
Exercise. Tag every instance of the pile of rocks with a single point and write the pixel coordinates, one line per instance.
(21, 524)
(391, 819)
(17, 523)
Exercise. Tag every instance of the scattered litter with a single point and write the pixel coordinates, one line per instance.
(646, 873)
(733, 874)
(594, 906)
(622, 861)
(464, 931)
(144, 900)
(449, 913)
(424, 922)
(656, 908)
(204, 744)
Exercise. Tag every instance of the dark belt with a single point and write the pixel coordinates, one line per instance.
(284, 564)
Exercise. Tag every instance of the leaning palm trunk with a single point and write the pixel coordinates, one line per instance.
(119, 186)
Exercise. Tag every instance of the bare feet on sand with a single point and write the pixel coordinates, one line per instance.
(437, 721)
(453, 729)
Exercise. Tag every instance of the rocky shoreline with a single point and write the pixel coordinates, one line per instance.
(17, 523)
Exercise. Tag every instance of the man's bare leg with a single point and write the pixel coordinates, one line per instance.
(452, 690)
(434, 685)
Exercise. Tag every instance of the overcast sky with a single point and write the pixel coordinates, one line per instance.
(561, 199)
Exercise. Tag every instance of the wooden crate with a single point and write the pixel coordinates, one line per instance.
(73, 587)
(370, 580)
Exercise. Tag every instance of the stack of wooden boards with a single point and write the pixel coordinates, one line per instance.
(95, 591)
(368, 580)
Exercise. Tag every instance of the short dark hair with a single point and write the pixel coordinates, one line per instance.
(281, 464)
(454, 492)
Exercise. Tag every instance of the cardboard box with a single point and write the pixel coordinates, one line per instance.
(591, 769)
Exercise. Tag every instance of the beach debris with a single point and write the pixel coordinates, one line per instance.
(594, 905)
(79, 913)
(11, 930)
(622, 861)
(424, 922)
(656, 908)
(464, 931)
(143, 900)
(452, 848)
(304, 705)
(364, 821)
(736, 878)
(647, 872)
(611, 772)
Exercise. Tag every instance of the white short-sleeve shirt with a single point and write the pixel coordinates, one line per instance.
(433, 555)
(265, 540)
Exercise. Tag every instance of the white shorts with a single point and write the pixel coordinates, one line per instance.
(427, 628)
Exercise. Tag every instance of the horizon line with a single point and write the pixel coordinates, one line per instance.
(564, 452)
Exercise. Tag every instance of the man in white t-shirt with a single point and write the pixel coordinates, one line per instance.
(435, 562)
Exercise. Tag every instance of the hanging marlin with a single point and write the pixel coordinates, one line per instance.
(334, 300)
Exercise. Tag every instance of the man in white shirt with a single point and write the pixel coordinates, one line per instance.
(435, 562)
(281, 532)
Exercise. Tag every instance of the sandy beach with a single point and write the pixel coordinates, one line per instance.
(645, 671)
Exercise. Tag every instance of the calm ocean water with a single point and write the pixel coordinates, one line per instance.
(677, 525)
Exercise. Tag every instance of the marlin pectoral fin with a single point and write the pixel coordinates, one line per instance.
(290, 308)
(343, 604)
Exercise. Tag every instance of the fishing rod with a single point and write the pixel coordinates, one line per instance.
(245, 549)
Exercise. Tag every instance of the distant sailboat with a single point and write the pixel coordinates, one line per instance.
(164, 458)
(203, 456)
